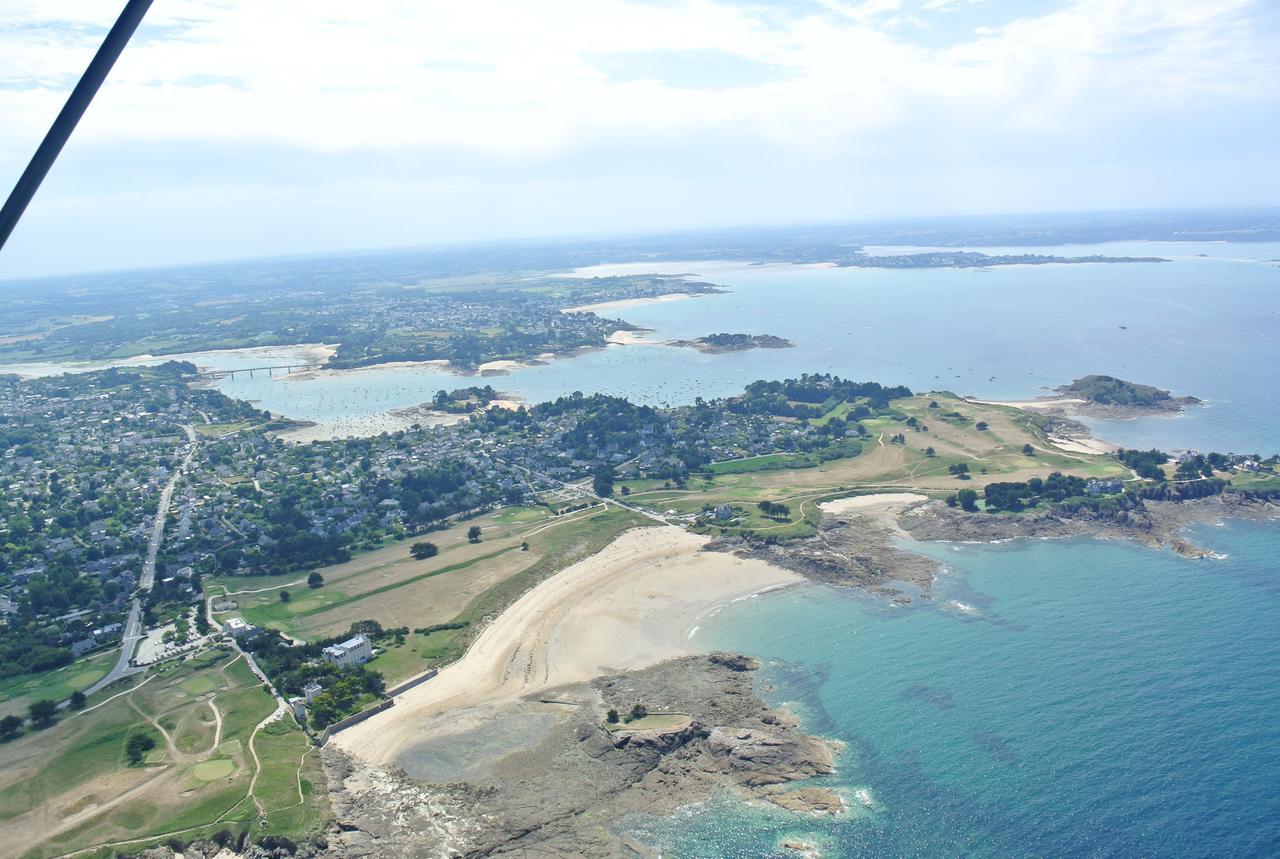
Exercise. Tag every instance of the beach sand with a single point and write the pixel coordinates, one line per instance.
(603, 306)
(631, 338)
(632, 605)
(1083, 445)
(882, 508)
(1041, 404)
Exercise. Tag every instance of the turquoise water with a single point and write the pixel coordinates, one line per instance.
(1056, 699)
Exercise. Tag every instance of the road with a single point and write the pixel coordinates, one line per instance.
(585, 490)
(133, 628)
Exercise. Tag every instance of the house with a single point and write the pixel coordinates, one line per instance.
(311, 690)
(1103, 487)
(110, 631)
(83, 646)
(299, 708)
(723, 511)
(239, 627)
(350, 653)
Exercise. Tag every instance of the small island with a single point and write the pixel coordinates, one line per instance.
(1109, 396)
(718, 343)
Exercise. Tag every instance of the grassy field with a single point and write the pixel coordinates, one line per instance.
(991, 454)
(17, 692)
(553, 546)
(70, 786)
(1253, 480)
(389, 586)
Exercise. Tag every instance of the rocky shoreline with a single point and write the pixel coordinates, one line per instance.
(863, 552)
(563, 795)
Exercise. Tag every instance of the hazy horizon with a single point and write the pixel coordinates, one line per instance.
(924, 223)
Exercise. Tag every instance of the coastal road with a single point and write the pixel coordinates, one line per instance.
(133, 627)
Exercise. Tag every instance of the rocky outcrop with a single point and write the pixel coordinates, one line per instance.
(848, 553)
(562, 796)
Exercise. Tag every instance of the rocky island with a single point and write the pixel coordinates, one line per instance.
(1107, 396)
(717, 343)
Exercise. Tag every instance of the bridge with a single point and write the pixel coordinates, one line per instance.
(270, 371)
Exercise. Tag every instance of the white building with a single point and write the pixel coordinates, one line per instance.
(350, 653)
(311, 690)
(238, 627)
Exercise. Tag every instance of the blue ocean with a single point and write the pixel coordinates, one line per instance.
(1205, 324)
(1054, 698)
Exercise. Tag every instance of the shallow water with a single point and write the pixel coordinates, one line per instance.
(1056, 698)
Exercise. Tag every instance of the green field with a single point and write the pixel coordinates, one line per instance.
(17, 692)
(1254, 480)
(70, 786)
(883, 466)
(764, 462)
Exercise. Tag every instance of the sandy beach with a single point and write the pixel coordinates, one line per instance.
(882, 507)
(1083, 445)
(631, 338)
(1040, 404)
(316, 353)
(632, 605)
(623, 303)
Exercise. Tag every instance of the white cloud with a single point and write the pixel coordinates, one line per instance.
(517, 78)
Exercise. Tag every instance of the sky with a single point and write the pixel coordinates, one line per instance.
(242, 128)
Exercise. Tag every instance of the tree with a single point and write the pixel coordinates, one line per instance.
(473, 534)
(612, 716)
(285, 596)
(524, 547)
(626, 490)
(602, 480)
(422, 551)
(137, 747)
(42, 712)
(968, 499)
(928, 451)
(1028, 450)
(638, 711)
(315, 580)
(980, 426)
(952, 500)
(77, 701)
(9, 726)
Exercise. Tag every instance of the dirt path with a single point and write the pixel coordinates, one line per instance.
(257, 763)
(217, 724)
(174, 754)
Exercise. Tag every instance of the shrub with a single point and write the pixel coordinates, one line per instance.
(137, 747)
